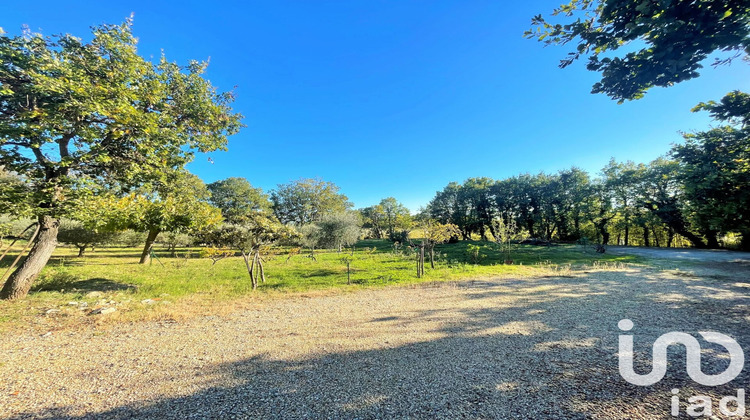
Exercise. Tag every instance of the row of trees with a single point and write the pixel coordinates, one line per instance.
(698, 196)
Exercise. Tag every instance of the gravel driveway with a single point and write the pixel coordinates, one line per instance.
(506, 348)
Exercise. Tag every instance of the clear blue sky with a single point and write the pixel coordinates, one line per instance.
(393, 98)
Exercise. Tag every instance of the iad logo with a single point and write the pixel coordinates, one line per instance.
(693, 353)
(701, 404)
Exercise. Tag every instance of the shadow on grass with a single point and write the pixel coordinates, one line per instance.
(64, 281)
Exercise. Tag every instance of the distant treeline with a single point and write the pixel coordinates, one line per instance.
(665, 203)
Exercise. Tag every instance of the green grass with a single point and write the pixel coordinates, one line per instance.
(191, 280)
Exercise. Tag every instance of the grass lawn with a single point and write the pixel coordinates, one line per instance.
(174, 287)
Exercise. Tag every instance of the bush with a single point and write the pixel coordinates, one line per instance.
(130, 238)
(174, 240)
(400, 236)
(12, 228)
(75, 233)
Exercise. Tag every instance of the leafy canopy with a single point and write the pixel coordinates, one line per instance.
(307, 200)
(238, 199)
(71, 111)
(639, 44)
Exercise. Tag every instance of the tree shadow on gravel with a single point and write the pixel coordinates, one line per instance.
(550, 353)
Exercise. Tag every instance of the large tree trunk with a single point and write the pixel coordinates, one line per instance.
(745, 242)
(20, 281)
(260, 266)
(146, 254)
(627, 233)
(670, 237)
(81, 251)
(711, 240)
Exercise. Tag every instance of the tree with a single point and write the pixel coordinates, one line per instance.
(661, 194)
(395, 215)
(621, 179)
(673, 38)
(602, 212)
(449, 207)
(179, 205)
(476, 193)
(250, 238)
(307, 200)
(81, 236)
(435, 233)
(176, 239)
(715, 171)
(372, 218)
(309, 237)
(72, 112)
(238, 199)
(339, 230)
(572, 202)
(508, 234)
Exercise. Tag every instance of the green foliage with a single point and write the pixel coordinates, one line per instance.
(174, 240)
(262, 231)
(307, 200)
(475, 254)
(676, 36)
(15, 197)
(129, 238)
(72, 111)
(508, 235)
(386, 218)
(76, 233)
(734, 109)
(338, 230)
(178, 204)
(399, 236)
(715, 171)
(238, 200)
(310, 235)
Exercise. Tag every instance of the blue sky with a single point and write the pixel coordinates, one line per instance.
(388, 98)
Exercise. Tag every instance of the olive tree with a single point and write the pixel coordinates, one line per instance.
(75, 114)
(435, 233)
(339, 230)
(83, 237)
(250, 238)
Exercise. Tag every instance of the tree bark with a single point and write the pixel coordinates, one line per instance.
(627, 233)
(711, 240)
(670, 237)
(646, 239)
(745, 241)
(81, 251)
(146, 254)
(250, 267)
(19, 283)
(260, 266)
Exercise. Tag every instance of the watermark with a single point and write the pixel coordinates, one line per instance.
(700, 405)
